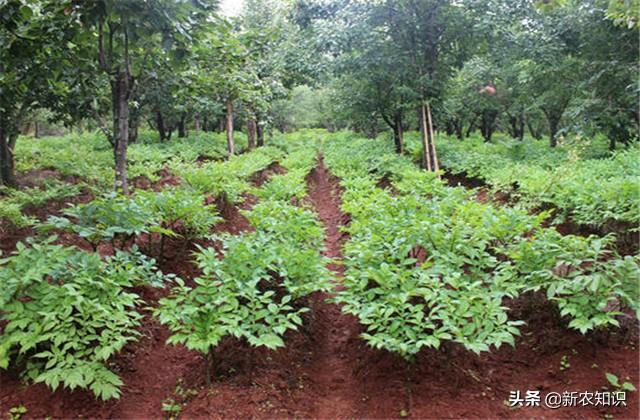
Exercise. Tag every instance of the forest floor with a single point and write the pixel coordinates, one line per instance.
(327, 371)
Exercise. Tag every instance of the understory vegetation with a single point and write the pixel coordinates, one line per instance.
(425, 263)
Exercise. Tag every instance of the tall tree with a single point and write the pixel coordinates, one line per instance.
(127, 30)
(37, 44)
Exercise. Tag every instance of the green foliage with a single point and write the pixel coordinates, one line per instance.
(146, 161)
(428, 264)
(80, 155)
(241, 293)
(180, 210)
(284, 187)
(302, 157)
(588, 281)
(253, 292)
(35, 69)
(196, 145)
(421, 272)
(12, 211)
(287, 223)
(67, 312)
(118, 219)
(306, 108)
(108, 218)
(589, 191)
(228, 179)
(145, 158)
(624, 13)
(16, 413)
(13, 201)
(615, 382)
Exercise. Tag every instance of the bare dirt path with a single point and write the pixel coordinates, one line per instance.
(339, 391)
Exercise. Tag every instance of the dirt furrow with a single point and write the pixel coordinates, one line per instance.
(338, 389)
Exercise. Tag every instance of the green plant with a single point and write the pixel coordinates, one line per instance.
(589, 282)
(13, 201)
(16, 413)
(170, 406)
(419, 272)
(178, 211)
(135, 268)
(284, 187)
(615, 382)
(289, 224)
(587, 190)
(254, 292)
(426, 264)
(67, 312)
(146, 161)
(110, 218)
(181, 210)
(61, 153)
(12, 212)
(228, 179)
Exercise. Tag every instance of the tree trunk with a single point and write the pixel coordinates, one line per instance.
(517, 125)
(449, 128)
(251, 133)
(260, 133)
(426, 150)
(521, 126)
(513, 126)
(121, 87)
(487, 124)
(160, 125)
(398, 134)
(196, 123)
(459, 129)
(554, 122)
(37, 130)
(375, 130)
(134, 122)
(472, 126)
(230, 144)
(534, 133)
(182, 132)
(7, 163)
(432, 140)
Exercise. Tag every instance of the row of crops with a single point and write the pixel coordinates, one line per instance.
(68, 311)
(426, 264)
(87, 160)
(584, 182)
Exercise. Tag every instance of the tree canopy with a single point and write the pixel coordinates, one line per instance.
(543, 68)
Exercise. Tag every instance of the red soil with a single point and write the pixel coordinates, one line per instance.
(462, 179)
(337, 387)
(484, 196)
(262, 176)
(167, 178)
(327, 371)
